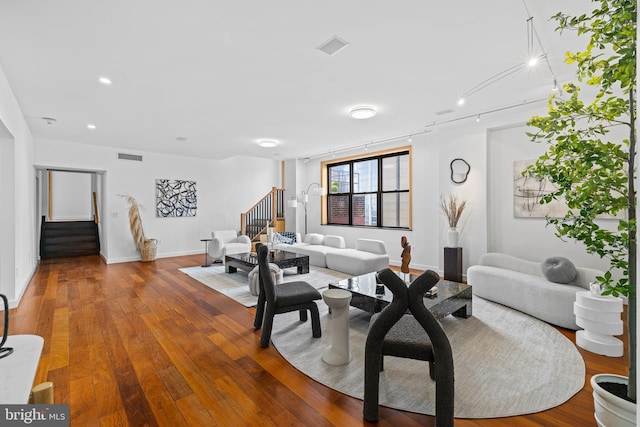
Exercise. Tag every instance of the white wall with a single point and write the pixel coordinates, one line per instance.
(527, 238)
(71, 196)
(24, 260)
(488, 223)
(225, 188)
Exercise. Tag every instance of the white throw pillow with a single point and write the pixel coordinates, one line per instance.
(314, 239)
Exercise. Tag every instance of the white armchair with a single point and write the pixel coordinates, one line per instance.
(227, 242)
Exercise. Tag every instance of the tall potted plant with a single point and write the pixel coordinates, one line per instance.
(592, 149)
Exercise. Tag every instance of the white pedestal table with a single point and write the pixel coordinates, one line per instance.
(599, 316)
(338, 352)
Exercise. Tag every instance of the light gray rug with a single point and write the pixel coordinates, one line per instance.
(506, 363)
(236, 285)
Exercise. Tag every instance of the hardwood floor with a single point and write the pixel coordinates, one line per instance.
(143, 344)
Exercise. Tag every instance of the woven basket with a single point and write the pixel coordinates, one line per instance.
(149, 250)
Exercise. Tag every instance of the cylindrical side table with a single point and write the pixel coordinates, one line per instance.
(600, 317)
(338, 352)
(206, 252)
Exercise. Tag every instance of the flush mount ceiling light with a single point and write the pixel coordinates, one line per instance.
(362, 112)
(267, 143)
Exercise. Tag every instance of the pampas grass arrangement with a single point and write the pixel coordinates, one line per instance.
(452, 208)
(146, 247)
(135, 223)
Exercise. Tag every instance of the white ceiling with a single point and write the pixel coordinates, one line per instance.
(226, 74)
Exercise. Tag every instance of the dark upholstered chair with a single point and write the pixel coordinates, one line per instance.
(283, 298)
(418, 335)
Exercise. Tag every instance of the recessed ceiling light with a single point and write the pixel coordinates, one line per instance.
(267, 143)
(49, 120)
(460, 101)
(363, 112)
(181, 138)
(105, 80)
(91, 126)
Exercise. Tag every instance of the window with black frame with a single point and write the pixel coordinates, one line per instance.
(372, 191)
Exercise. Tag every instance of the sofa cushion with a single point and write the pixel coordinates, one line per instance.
(314, 239)
(334, 241)
(369, 245)
(356, 262)
(558, 270)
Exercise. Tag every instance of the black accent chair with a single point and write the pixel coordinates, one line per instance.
(418, 335)
(283, 298)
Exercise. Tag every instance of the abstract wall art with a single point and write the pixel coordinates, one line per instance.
(175, 197)
(527, 192)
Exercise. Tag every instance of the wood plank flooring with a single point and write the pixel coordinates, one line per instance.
(142, 344)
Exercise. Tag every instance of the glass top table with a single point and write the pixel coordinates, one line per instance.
(371, 296)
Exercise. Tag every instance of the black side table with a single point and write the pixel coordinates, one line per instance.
(453, 264)
(206, 252)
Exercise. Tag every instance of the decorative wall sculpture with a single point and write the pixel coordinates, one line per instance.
(175, 198)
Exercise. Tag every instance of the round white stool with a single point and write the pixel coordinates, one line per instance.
(338, 352)
(600, 318)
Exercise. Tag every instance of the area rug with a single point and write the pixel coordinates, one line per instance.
(506, 363)
(236, 285)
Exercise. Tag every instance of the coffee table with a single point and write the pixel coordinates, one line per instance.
(283, 259)
(368, 295)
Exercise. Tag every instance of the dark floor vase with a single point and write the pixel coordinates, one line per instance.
(611, 410)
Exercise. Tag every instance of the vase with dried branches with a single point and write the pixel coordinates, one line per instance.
(452, 208)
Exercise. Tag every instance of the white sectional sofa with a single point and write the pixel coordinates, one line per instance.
(330, 251)
(522, 285)
(369, 255)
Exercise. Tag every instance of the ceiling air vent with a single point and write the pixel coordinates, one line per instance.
(333, 45)
(443, 112)
(134, 157)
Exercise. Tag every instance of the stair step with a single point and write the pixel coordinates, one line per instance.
(71, 244)
(68, 254)
(64, 225)
(69, 238)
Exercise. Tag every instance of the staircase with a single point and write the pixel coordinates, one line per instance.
(68, 238)
(268, 212)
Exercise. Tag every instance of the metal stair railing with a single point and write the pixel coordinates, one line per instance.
(263, 214)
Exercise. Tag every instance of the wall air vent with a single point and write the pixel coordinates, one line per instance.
(134, 157)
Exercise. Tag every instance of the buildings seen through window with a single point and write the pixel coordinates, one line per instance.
(371, 191)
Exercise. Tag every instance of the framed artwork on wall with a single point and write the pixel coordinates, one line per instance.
(527, 192)
(175, 198)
